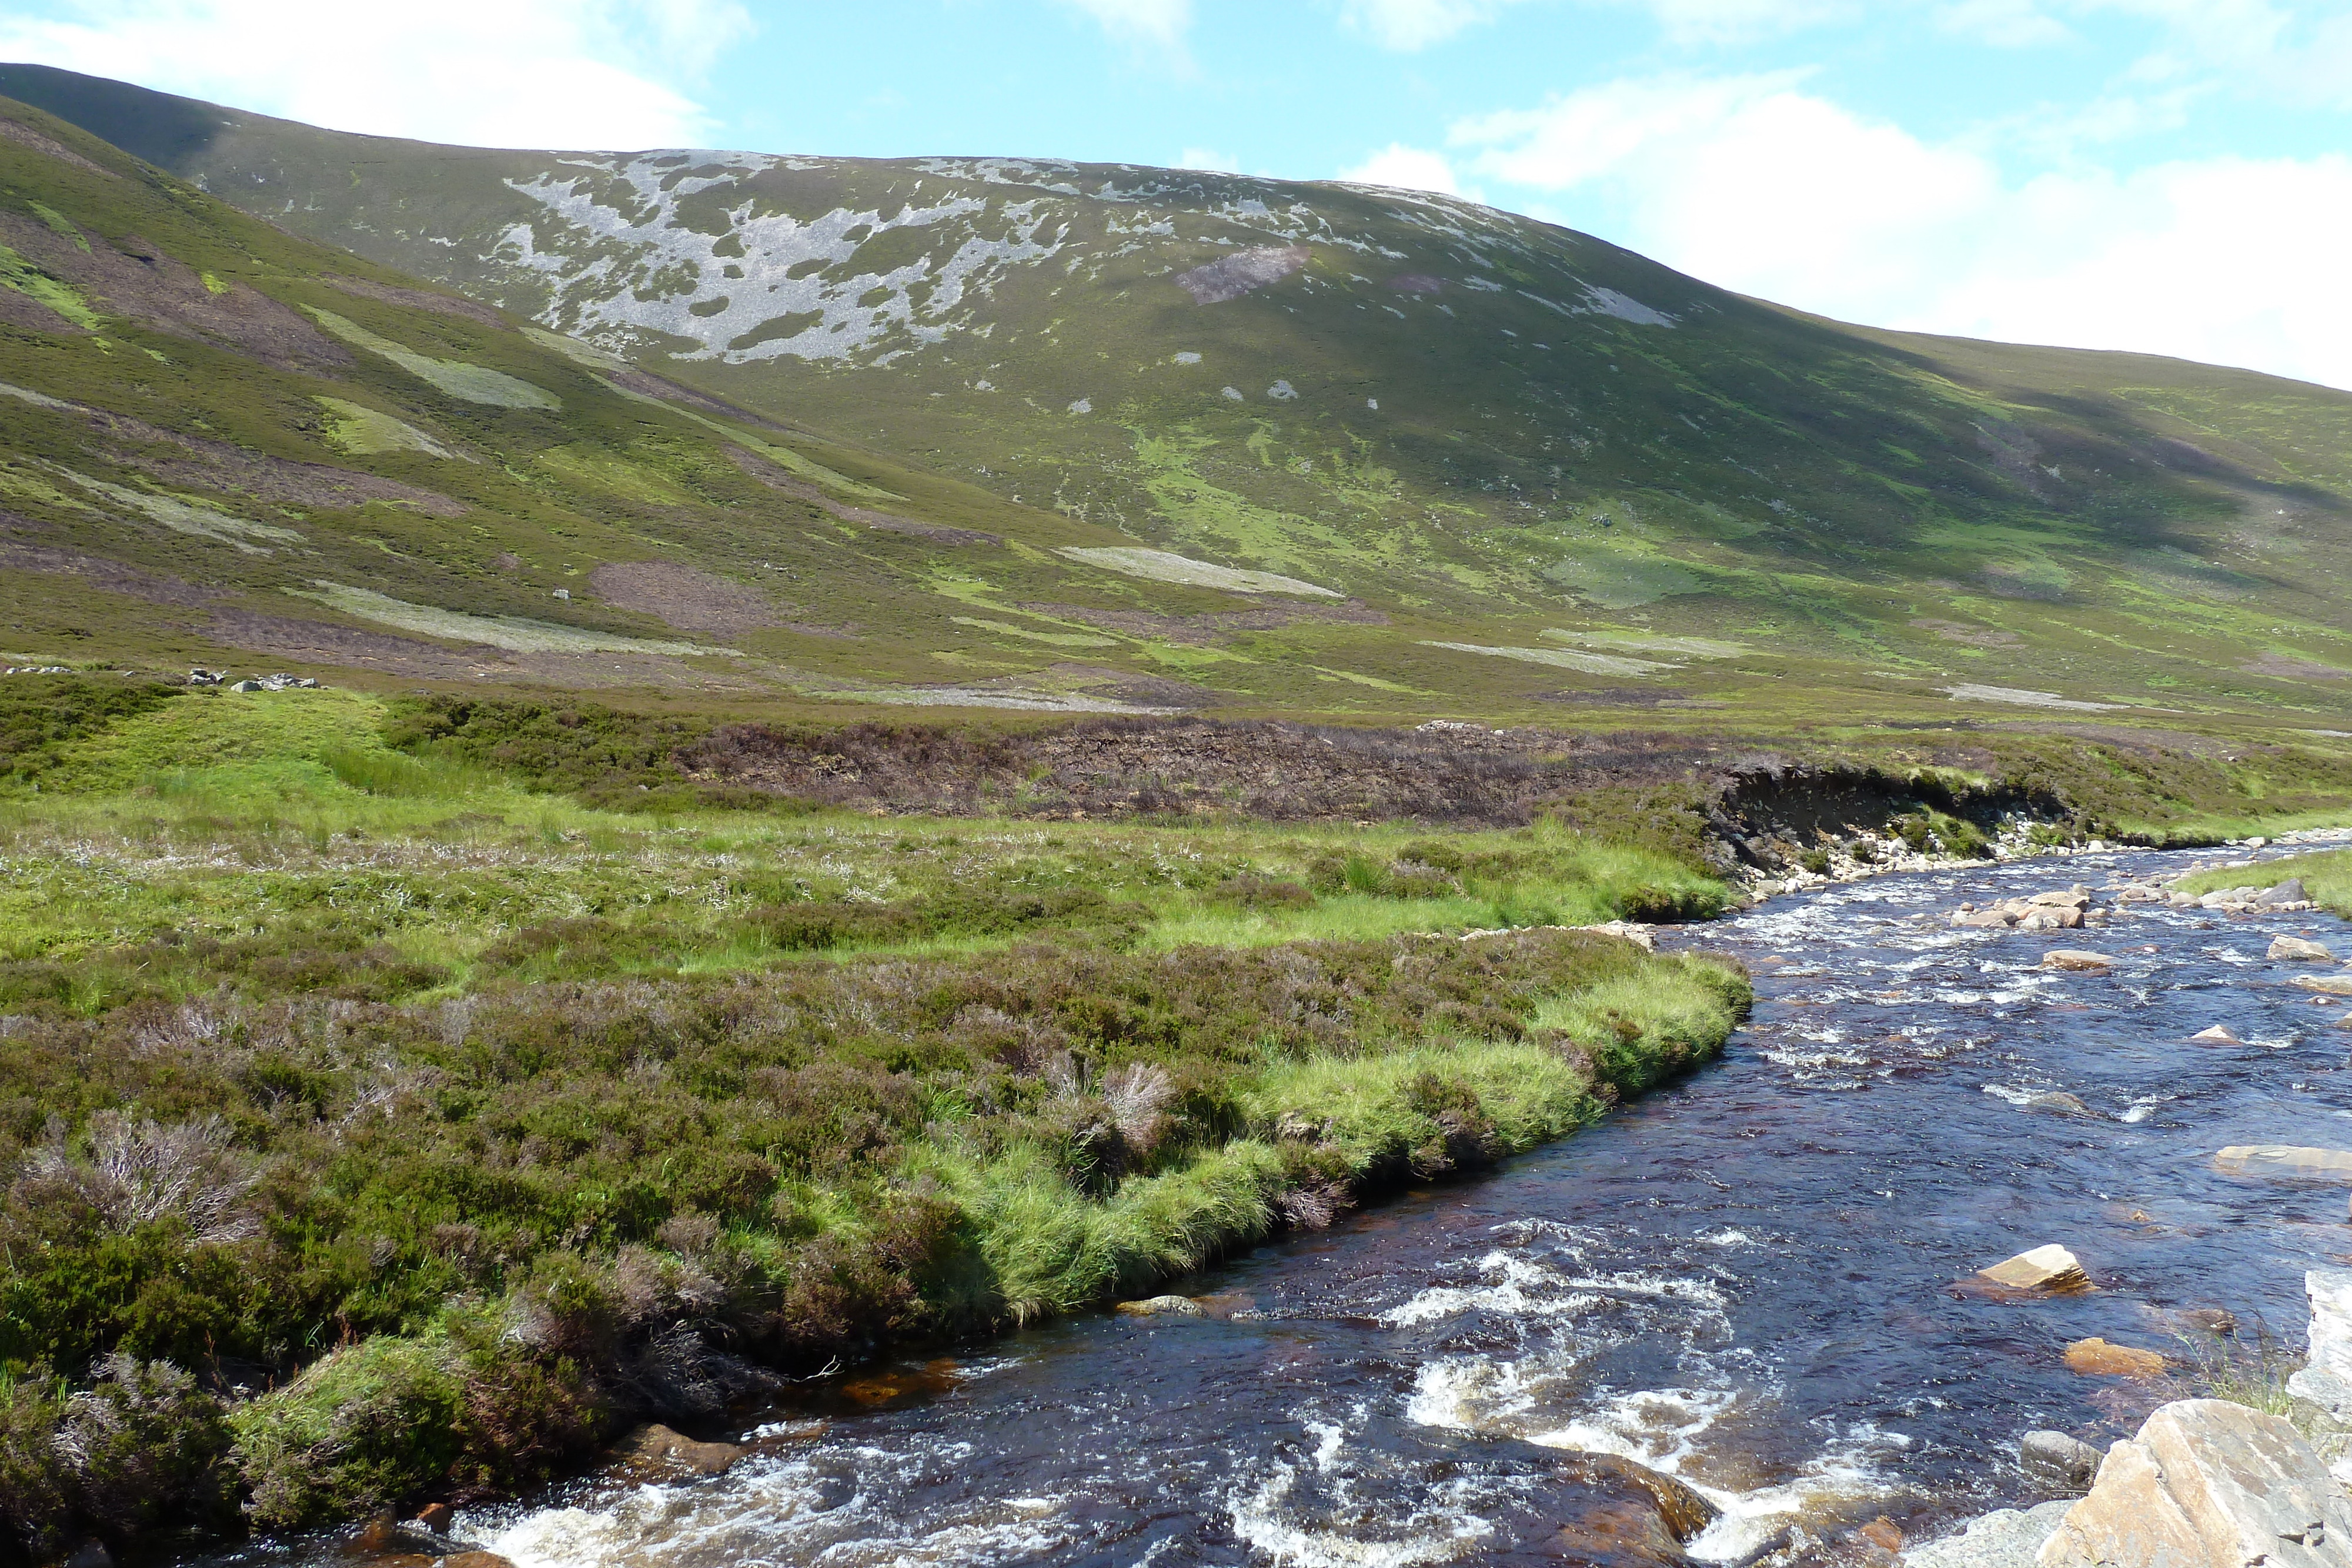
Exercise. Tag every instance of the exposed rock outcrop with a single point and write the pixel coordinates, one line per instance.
(2207, 1484)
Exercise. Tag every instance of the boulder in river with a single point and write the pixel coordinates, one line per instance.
(2207, 1482)
(2054, 1462)
(2285, 1160)
(2217, 1035)
(2295, 950)
(655, 1450)
(2291, 891)
(1162, 1306)
(1685, 1513)
(2326, 985)
(2075, 961)
(2050, 1268)
(2097, 1358)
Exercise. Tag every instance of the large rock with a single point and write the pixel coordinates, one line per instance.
(2326, 1379)
(2326, 985)
(2285, 1160)
(1680, 1506)
(2097, 1358)
(654, 1450)
(2054, 1462)
(2291, 891)
(2295, 950)
(1162, 1306)
(2207, 1484)
(2005, 1537)
(2050, 1268)
(2077, 961)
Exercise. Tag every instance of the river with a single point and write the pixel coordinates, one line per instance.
(1746, 1279)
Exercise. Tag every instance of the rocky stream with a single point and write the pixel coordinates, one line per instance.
(1761, 1286)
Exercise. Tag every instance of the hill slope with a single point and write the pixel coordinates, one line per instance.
(1491, 464)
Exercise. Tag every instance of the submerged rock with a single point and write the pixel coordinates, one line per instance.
(2075, 960)
(1162, 1306)
(1685, 1513)
(2217, 1035)
(2054, 1462)
(2285, 1160)
(2097, 1358)
(2005, 1537)
(2207, 1482)
(2050, 1268)
(655, 1450)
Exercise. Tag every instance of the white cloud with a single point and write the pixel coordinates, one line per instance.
(1409, 25)
(2004, 24)
(1756, 185)
(1688, 22)
(1408, 169)
(506, 73)
(1162, 22)
(1209, 157)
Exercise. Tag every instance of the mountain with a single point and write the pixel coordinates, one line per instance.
(1007, 432)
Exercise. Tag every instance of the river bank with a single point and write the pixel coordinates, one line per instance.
(1747, 1281)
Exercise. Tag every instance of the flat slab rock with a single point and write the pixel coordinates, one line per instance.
(2207, 1484)
(2285, 1160)
(2005, 1537)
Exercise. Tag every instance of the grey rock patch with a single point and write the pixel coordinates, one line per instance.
(2005, 1537)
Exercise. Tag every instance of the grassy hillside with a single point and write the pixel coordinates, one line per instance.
(1524, 466)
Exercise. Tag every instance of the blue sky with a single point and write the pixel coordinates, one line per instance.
(2163, 175)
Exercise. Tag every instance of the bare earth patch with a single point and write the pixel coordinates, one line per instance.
(132, 279)
(112, 576)
(1972, 636)
(2293, 669)
(1230, 276)
(686, 597)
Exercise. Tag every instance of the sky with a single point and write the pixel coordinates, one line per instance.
(2167, 176)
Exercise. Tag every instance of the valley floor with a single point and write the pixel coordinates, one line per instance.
(379, 1124)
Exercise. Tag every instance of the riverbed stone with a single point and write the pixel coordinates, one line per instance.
(2295, 950)
(2097, 1358)
(2326, 985)
(2075, 961)
(2207, 1482)
(1684, 1511)
(2217, 1035)
(2050, 1268)
(654, 1449)
(2285, 1160)
(2005, 1537)
(1163, 1307)
(2056, 1100)
(2291, 891)
(2055, 1462)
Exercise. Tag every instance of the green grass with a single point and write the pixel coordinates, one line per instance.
(2326, 876)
